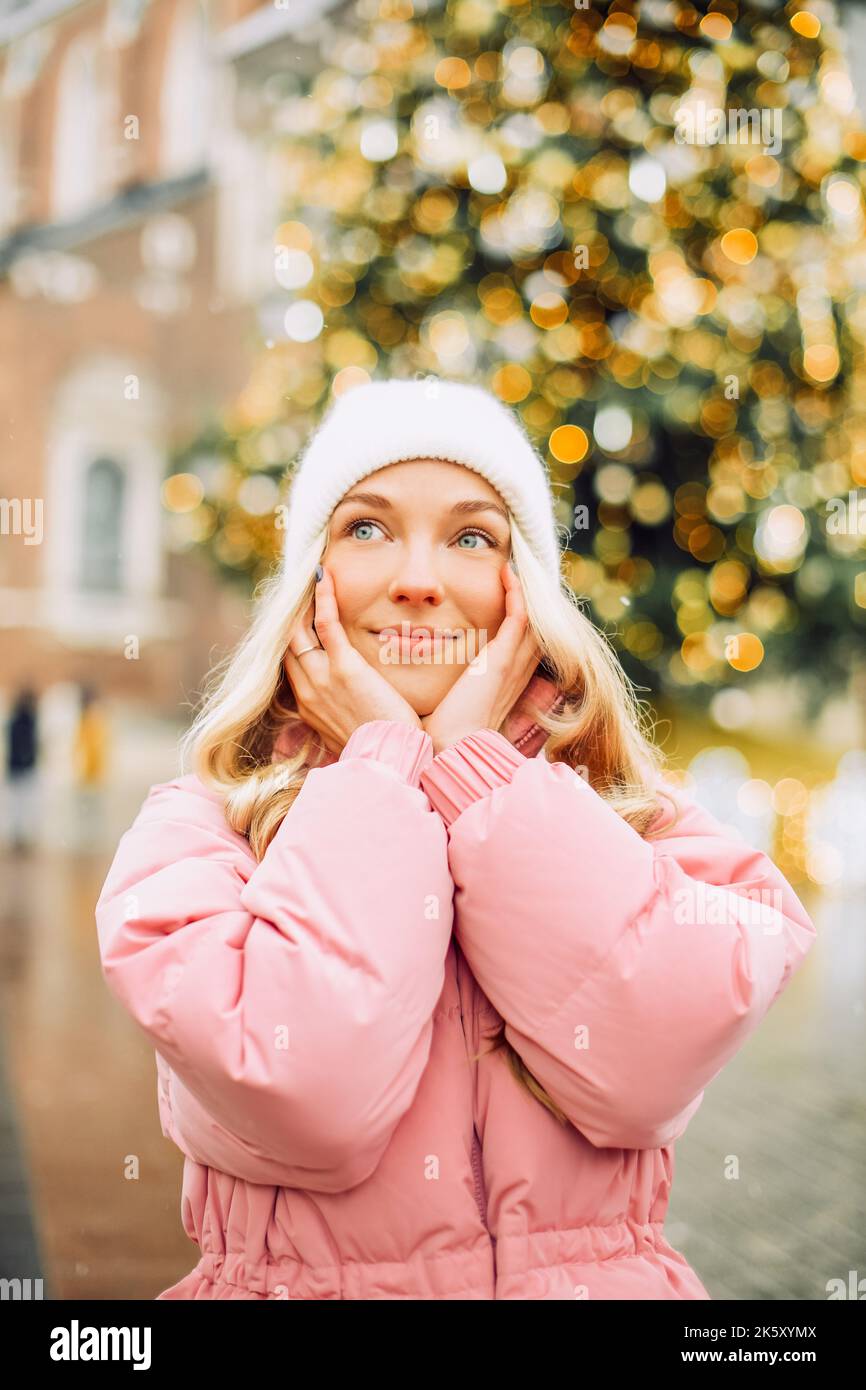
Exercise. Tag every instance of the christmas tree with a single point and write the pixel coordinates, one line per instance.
(644, 231)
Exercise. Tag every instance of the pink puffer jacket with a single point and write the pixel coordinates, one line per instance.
(315, 1017)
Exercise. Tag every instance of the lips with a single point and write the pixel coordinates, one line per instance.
(414, 634)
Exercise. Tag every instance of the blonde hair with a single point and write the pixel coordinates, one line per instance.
(601, 728)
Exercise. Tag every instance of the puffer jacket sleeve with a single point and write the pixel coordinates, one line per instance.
(628, 970)
(290, 1001)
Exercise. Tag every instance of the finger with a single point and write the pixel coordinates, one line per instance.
(303, 673)
(513, 628)
(528, 653)
(304, 634)
(514, 600)
(298, 669)
(329, 628)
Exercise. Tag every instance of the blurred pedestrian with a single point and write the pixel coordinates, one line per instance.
(22, 768)
(90, 759)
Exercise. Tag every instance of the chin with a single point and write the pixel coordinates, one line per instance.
(419, 691)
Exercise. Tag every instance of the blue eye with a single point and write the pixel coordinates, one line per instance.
(350, 529)
(484, 536)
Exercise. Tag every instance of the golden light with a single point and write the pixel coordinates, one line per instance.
(646, 54)
(838, 90)
(336, 288)
(725, 501)
(580, 571)
(718, 417)
(617, 34)
(710, 295)
(487, 65)
(744, 651)
(512, 383)
(295, 235)
(740, 245)
(780, 537)
(347, 378)
(526, 62)
(569, 444)
(375, 92)
(696, 653)
(452, 73)
(650, 503)
(860, 589)
(347, 348)
(690, 586)
(258, 494)
(769, 609)
(789, 796)
(728, 584)
(694, 616)
(548, 310)
(192, 528)
(807, 25)
(854, 144)
(448, 334)
(613, 483)
(755, 797)
(643, 640)
(843, 197)
(763, 170)
(716, 27)
(435, 209)
(706, 542)
(182, 492)
(680, 296)
(821, 361)
(502, 304)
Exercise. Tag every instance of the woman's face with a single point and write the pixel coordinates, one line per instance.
(420, 544)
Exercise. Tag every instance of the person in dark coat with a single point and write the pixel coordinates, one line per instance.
(22, 763)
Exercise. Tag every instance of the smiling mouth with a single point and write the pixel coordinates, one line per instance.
(417, 634)
(423, 647)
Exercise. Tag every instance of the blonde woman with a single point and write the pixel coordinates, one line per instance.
(436, 964)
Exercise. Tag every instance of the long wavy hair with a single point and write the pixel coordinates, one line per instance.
(602, 728)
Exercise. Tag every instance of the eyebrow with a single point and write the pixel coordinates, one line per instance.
(465, 508)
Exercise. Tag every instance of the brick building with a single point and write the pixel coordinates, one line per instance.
(137, 211)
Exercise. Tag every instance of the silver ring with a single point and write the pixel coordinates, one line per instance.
(317, 648)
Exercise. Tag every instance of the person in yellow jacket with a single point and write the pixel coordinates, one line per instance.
(91, 742)
(91, 748)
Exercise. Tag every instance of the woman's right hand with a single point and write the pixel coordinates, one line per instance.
(335, 689)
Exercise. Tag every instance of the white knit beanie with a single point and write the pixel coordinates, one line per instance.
(383, 422)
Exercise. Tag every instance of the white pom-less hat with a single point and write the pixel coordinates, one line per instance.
(384, 422)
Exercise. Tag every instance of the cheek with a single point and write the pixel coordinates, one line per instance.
(481, 598)
(354, 586)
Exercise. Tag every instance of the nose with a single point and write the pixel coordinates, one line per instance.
(416, 579)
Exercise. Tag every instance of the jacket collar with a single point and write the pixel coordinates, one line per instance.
(520, 727)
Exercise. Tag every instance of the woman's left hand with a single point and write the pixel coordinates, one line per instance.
(489, 687)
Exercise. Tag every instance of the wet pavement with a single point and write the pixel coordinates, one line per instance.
(104, 1185)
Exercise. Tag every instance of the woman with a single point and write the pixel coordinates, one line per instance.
(423, 941)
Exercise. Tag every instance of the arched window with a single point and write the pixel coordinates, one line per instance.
(104, 561)
(79, 146)
(185, 94)
(103, 525)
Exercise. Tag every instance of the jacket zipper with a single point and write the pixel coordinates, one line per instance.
(479, 1185)
(480, 1199)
